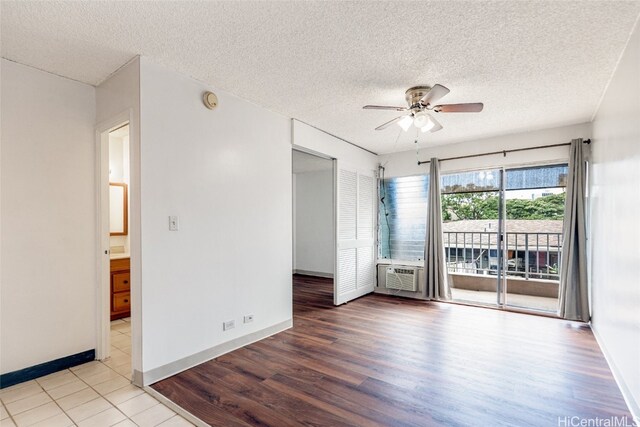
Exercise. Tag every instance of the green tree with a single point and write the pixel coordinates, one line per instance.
(458, 206)
(484, 205)
(545, 207)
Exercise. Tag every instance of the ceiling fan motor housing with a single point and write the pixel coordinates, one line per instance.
(414, 94)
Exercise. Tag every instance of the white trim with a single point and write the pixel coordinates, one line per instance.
(301, 149)
(634, 407)
(103, 321)
(175, 367)
(103, 344)
(294, 223)
(336, 249)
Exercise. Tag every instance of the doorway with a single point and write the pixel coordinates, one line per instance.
(119, 251)
(314, 222)
(116, 331)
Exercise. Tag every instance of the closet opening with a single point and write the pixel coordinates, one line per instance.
(314, 233)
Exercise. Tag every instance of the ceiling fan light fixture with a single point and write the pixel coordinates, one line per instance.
(421, 119)
(405, 123)
(428, 126)
(421, 100)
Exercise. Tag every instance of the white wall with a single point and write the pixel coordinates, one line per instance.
(227, 174)
(314, 233)
(116, 159)
(615, 233)
(317, 141)
(406, 163)
(48, 217)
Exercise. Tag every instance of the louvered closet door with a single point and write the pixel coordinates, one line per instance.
(355, 272)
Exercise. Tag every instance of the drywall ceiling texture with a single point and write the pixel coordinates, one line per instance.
(534, 64)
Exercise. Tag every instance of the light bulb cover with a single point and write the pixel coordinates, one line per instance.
(426, 128)
(424, 122)
(421, 119)
(405, 123)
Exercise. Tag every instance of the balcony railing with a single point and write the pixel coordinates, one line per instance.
(528, 255)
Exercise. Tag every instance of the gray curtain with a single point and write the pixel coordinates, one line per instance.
(436, 284)
(574, 301)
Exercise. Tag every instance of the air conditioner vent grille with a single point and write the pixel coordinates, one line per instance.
(402, 278)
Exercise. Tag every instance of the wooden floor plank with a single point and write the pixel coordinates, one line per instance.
(388, 361)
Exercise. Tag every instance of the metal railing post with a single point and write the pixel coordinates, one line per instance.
(526, 256)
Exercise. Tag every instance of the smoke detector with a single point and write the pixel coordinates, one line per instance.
(210, 100)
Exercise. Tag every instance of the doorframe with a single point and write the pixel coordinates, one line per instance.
(103, 320)
(305, 150)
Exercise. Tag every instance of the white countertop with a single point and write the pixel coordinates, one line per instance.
(120, 255)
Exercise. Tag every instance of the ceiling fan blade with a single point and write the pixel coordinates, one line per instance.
(384, 107)
(474, 107)
(389, 123)
(436, 92)
(436, 124)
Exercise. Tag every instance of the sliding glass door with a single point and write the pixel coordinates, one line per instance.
(503, 235)
(472, 224)
(534, 212)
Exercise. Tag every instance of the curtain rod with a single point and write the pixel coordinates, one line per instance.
(504, 152)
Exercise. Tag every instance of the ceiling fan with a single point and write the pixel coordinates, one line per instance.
(421, 100)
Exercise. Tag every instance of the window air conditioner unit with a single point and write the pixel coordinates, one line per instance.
(402, 278)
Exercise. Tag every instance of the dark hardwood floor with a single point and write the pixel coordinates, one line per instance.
(386, 361)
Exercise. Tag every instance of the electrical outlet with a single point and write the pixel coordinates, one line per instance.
(174, 225)
(229, 324)
(248, 318)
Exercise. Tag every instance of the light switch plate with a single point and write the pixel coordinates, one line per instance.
(173, 223)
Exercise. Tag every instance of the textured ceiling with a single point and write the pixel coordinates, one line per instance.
(535, 64)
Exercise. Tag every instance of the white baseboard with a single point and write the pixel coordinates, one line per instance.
(173, 368)
(313, 273)
(634, 407)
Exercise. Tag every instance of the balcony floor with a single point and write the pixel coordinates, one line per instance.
(516, 300)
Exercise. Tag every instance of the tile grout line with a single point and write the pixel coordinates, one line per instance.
(53, 400)
(101, 395)
(144, 391)
(36, 407)
(113, 405)
(84, 382)
(9, 413)
(92, 387)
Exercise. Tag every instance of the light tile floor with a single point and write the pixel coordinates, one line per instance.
(94, 394)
